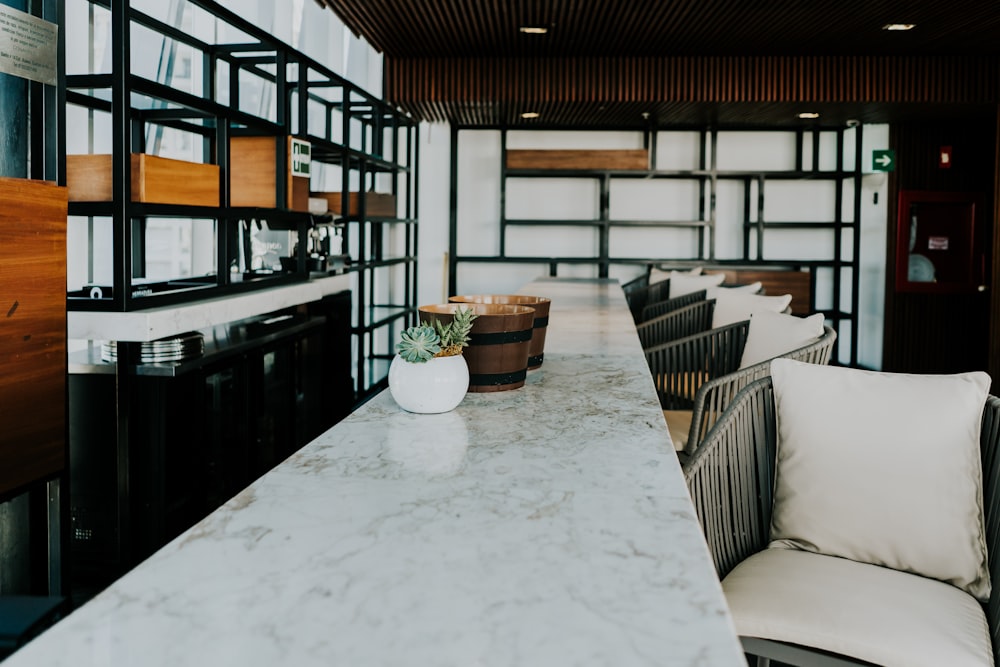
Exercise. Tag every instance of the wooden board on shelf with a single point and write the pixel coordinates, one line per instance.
(578, 159)
(376, 203)
(155, 180)
(32, 332)
(252, 174)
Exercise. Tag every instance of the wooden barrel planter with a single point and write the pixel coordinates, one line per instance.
(541, 305)
(499, 343)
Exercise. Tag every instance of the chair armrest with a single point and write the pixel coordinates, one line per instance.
(731, 475)
(681, 366)
(989, 439)
(715, 396)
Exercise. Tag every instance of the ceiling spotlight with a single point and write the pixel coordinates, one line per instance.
(533, 29)
(807, 115)
(530, 114)
(899, 26)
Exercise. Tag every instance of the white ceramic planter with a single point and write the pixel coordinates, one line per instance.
(438, 385)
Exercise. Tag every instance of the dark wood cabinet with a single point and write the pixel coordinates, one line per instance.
(199, 431)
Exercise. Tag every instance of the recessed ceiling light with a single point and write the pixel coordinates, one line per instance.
(899, 26)
(533, 29)
(530, 114)
(806, 115)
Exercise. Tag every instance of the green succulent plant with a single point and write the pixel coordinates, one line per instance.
(455, 335)
(427, 340)
(419, 344)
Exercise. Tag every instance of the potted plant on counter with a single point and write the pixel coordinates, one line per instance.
(429, 374)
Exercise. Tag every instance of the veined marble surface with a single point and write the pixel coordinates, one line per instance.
(155, 323)
(548, 525)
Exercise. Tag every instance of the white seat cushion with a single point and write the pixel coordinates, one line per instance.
(882, 468)
(864, 611)
(774, 334)
(733, 306)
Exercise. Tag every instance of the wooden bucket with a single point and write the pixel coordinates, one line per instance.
(499, 342)
(541, 305)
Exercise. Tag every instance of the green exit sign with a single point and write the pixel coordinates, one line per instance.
(883, 160)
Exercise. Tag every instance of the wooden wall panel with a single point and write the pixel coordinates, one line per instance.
(477, 89)
(32, 332)
(940, 333)
(994, 344)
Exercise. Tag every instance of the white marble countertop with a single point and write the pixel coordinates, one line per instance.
(549, 525)
(155, 323)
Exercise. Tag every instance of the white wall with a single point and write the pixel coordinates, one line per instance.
(802, 201)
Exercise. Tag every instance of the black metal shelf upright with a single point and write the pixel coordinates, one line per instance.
(843, 262)
(378, 144)
(348, 128)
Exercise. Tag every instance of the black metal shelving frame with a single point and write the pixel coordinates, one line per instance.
(305, 90)
(314, 104)
(844, 259)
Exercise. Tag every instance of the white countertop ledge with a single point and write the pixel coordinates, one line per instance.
(544, 526)
(154, 323)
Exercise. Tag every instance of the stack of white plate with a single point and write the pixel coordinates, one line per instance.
(178, 348)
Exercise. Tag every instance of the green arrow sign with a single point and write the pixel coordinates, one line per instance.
(884, 160)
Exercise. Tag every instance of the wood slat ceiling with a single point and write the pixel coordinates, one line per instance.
(421, 38)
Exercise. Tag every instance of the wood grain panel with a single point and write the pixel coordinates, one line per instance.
(994, 325)
(470, 29)
(578, 159)
(475, 91)
(154, 180)
(32, 332)
(776, 283)
(252, 167)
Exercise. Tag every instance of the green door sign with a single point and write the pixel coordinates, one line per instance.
(883, 160)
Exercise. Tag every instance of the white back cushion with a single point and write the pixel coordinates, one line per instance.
(735, 306)
(882, 468)
(684, 283)
(659, 275)
(752, 288)
(774, 334)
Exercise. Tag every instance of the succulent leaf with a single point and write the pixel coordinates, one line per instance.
(461, 326)
(454, 335)
(418, 344)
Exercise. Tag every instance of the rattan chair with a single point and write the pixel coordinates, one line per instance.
(679, 323)
(637, 284)
(696, 377)
(731, 481)
(664, 306)
(639, 297)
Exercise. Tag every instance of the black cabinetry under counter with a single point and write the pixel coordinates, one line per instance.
(196, 431)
